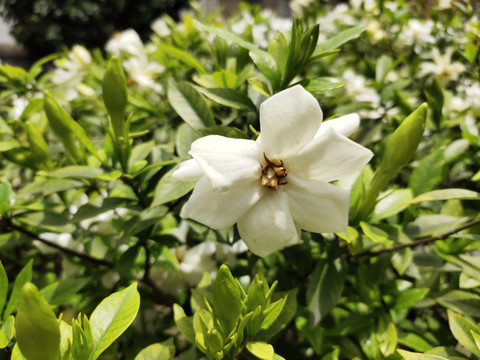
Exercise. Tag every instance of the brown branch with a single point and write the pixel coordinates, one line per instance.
(10, 225)
(421, 241)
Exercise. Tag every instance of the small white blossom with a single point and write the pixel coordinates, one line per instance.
(442, 66)
(125, 43)
(275, 186)
(417, 33)
(160, 26)
(142, 72)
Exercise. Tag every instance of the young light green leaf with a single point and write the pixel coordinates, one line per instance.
(23, 277)
(7, 330)
(112, 317)
(169, 189)
(461, 327)
(184, 323)
(322, 84)
(36, 327)
(392, 204)
(227, 301)
(446, 194)
(189, 104)
(324, 289)
(407, 355)
(383, 66)
(261, 350)
(114, 89)
(183, 56)
(476, 337)
(408, 298)
(159, 351)
(339, 39)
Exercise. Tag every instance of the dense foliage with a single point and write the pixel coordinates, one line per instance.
(90, 212)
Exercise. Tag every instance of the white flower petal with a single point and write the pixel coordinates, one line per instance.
(220, 211)
(328, 157)
(268, 226)
(317, 206)
(345, 125)
(188, 170)
(227, 162)
(288, 121)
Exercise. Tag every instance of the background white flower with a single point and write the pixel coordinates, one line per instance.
(278, 184)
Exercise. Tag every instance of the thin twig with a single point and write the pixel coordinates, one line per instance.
(10, 225)
(421, 241)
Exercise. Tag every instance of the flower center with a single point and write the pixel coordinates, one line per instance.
(272, 173)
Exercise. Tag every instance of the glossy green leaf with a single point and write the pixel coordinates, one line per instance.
(227, 301)
(183, 56)
(462, 302)
(36, 327)
(23, 277)
(184, 323)
(169, 189)
(229, 97)
(159, 351)
(7, 330)
(446, 194)
(427, 174)
(436, 99)
(339, 39)
(49, 186)
(318, 85)
(184, 138)
(407, 355)
(433, 225)
(383, 66)
(476, 338)
(408, 298)
(392, 203)
(261, 350)
(78, 171)
(461, 327)
(324, 289)
(112, 317)
(189, 104)
(114, 91)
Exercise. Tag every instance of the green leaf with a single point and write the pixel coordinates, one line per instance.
(140, 152)
(392, 204)
(112, 317)
(3, 287)
(23, 277)
(159, 351)
(446, 194)
(61, 292)
(261, 350)
(114, 90)
(383, 66)
(49, 186)
(436, 99)
(374, 233)
(5, 194)
(462, 302)
(476, 337)
(427, 174)
(225, 79)
(169, 189)
(16, 354)
(89, 211)
(322, 84)
(461, 327)
(229, 97)
(227, 301)
(183, 56)
(408, 298)
(339, 39)
(36, 327)
(407, 355)
(184, 323)
(7, 330)
(81, 172)
(324, 289)
(184, 138)
(189, 104)
(432, 225)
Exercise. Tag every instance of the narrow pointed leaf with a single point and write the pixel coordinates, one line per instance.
(23, 277)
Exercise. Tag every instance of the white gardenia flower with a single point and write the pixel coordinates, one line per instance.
(442, 66)
(275, 186)
(417, 32)
(125, 43)
(143, 72)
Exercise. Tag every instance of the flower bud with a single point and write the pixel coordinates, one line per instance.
(38, 145)
(115, 95)
(61, 123)
(36, 327)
